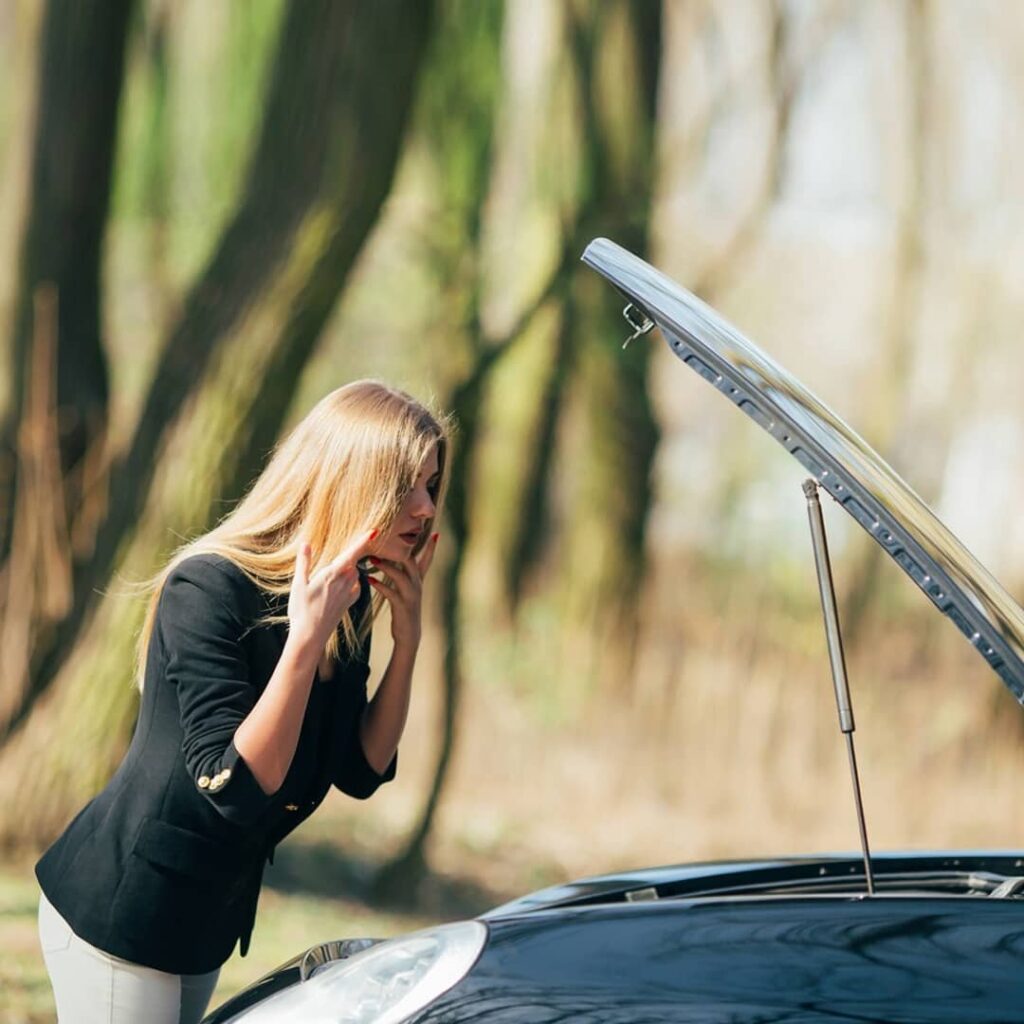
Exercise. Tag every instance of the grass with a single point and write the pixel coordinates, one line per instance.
(24, 989)
(288, 923)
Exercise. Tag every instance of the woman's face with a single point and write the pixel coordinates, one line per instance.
(416, 512)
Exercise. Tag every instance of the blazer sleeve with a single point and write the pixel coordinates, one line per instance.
(201, 628)
(350, 771)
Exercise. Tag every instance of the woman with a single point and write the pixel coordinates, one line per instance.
(253, 667)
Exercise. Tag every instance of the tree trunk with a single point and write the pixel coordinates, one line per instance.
(530, 526)
(617, 56)
(254, 368)
(157, 158)
(81, 65)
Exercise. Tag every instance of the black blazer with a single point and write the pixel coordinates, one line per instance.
(163, 867)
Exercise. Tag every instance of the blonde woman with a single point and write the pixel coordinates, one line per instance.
(253, 668)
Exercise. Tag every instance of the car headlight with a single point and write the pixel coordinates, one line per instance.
(383, 985)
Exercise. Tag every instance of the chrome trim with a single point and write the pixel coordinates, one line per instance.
(329, 952)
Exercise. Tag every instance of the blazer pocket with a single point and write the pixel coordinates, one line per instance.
(185, 852)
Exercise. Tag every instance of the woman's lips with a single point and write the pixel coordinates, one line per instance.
(409, 537)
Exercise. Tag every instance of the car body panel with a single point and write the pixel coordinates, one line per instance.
(750, 951)
(956, 960)
(842, 463)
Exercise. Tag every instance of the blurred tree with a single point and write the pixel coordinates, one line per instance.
(536, 204)
(80, 70)
(614, 189)
(575, 387)
(616, 50)
(517, 489)
(156, 160)
(334, 118)
(53, 441)
(455, 123)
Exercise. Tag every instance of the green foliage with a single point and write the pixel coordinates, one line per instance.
(193, 99)
(457, 105)
(509, 449)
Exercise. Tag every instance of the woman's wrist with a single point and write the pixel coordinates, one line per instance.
(404, 650)
(303, 650)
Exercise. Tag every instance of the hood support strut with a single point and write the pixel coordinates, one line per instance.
(837, 658)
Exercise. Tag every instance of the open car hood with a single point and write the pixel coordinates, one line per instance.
(843, 464)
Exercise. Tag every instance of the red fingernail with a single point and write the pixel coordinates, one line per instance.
(374, 534)
(434, 537)
(374, 559)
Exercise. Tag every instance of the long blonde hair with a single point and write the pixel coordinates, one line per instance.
(346, 468)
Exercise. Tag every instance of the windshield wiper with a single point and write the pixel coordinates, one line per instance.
(1008, 887)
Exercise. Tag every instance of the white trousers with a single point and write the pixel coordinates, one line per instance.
(93, 987)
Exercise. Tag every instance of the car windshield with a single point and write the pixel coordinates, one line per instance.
(949, 881)
(842, 463)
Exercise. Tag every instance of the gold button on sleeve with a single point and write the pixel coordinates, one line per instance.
(203, 781)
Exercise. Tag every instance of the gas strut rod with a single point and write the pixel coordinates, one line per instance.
(835, 656)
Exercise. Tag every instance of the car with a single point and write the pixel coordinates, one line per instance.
(909, 938)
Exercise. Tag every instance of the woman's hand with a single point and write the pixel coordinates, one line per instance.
(316, 603)
(403, 588)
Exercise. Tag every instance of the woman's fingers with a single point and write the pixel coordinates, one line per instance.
(302, 561)
(340, 576)
(343, 567)
(397, 576)
(426, 556)
(356, 550)
(391, 591)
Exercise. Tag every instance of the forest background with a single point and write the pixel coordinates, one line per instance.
(213, 214)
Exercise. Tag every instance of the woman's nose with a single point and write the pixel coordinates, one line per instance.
(424, 507)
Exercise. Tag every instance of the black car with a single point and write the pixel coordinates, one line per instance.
(935, 937)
